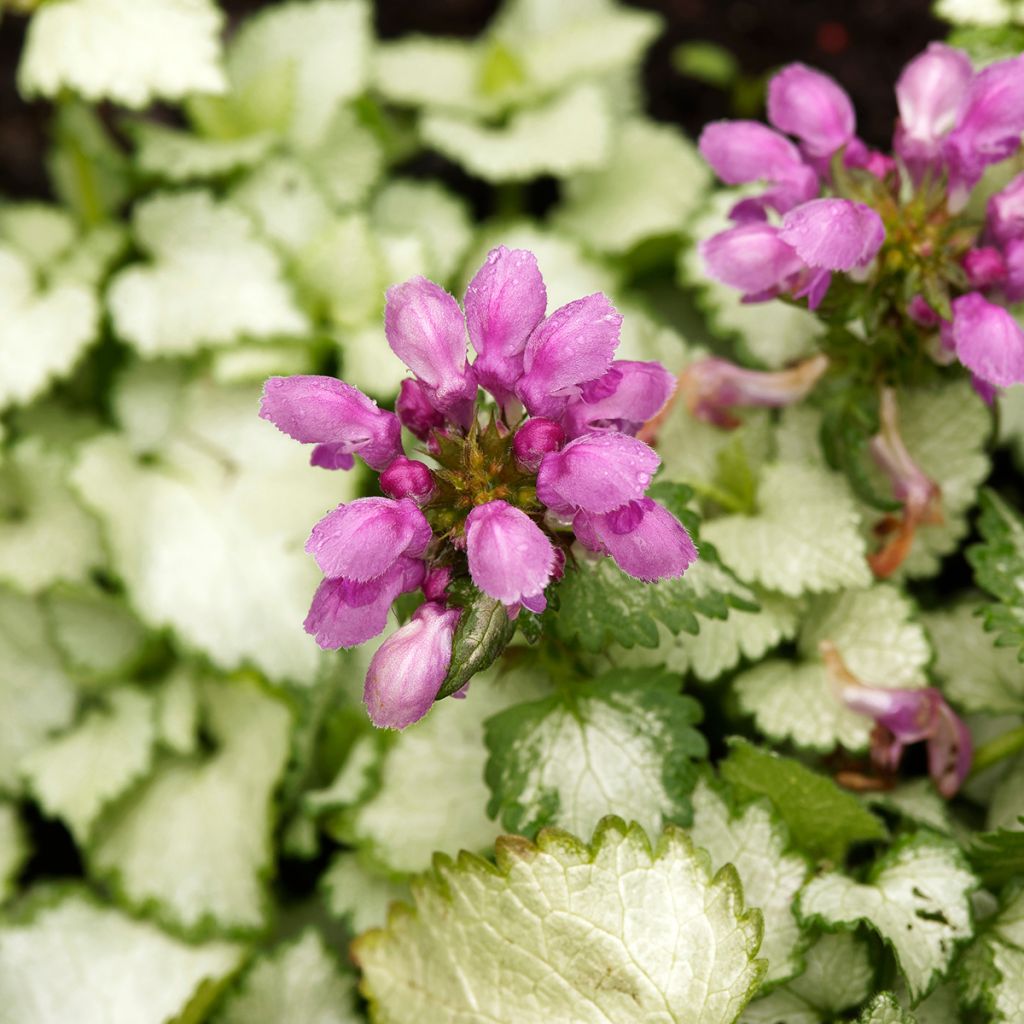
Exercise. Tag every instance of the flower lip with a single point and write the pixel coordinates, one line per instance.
(813, 107)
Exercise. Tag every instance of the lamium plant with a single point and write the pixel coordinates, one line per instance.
(701, 502)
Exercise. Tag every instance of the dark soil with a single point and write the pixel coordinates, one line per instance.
(862, 44)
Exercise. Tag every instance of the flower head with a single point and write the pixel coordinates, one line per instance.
(508, 493)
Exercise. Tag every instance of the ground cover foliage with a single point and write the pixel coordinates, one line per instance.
(657, 801)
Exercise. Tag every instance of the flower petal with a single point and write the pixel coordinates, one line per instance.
(988, 341)
(363, 539)
(510, 558)
(813, 107)
(834, 234)
(646, 540)
(751, 257)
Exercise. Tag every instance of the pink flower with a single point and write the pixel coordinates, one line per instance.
(1006, 212)
(338, 418)
(407, 478)
(415, 410)
(805, 103)
(510, 558)
(833, 234)
(536, 438)
(408, 669)
(753, 258)
(623, 400)
(596, 473)
(987, 340)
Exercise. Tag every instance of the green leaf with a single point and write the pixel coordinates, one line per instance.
(620, 744)
(998, 564)
(169, 154)
(208, 536)
(211, 282)
(567, 134)
(998, 857)
(651, 183)
(43, 331)
(885, 1009)
(483, 632)
(803, 538)
(36, 696)
(75, 775)
(976, 674)
(613, 931)
(992, 969)
(45, 535)
(137, 52)
(916, 801)
(754, 840)
(14, 849)
(300, 981)
(599, 604)
(916, 897)
(1007, 801)
(146, 847)
(97, 635)
(879, 642)
(74, 960)
(822, 819)
(838, 974)
(357, 895)
(707, 62)
(432, 792)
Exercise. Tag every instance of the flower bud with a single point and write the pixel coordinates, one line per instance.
(534, 439)
(407, 478)
(409, 668)
(1006, 212)
(416, 411)
(436, 582)
(984, 267)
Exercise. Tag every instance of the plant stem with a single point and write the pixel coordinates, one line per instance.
(997, 749)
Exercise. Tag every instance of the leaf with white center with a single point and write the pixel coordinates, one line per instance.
(210, 282)
(992, 970)
(74, 960)
(837, 975)
(285, 201)
(177, 712)
(75, 775)
(803, 537)
(36, 696)
(976, 12)
(945, 430)
(885, 1009)
(367, 361)
(916, 801)
(45, 535)
(254, 363)
(650, 185)
(432, 792)
(177, 156)
(324, 45)
(300, 981)
(822, 819)
(975, 674)
(347, 161)
(1007, 803)
(773, 333)
(431, 72)
(425, 209)
(146, 847)
(755, 842)
(13, 848)
(41, 233)
(610, 932)
(621, 744)
(208, 536)
(880, 643)
(567, 134)
(357, 895)
(722, 643)
(43, 332)
(129, 53)
(916, 897)
(97, 635)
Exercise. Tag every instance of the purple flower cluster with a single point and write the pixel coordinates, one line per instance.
(954, 122)
(553, 460)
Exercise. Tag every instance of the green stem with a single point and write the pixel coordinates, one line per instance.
(997, 749)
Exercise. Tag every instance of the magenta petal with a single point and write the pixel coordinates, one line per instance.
(751, 257)
(407, 478)
(950, 751)
(535, 439)
(345, 613)
(327, 411)
(1006, 212)
(834, 234)
(990, 121)
(363, 539)
(745, 151)
(929, 92)
(596, 473)
(988, 341)
(409, 668)
(646, 540)
(426, 330)
(504, 302)
(416, 411)
(637, 391)
(908, 714)
(331, 456)
(1013, 259)
(573, 345)
(510, 558)
(810, 105)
